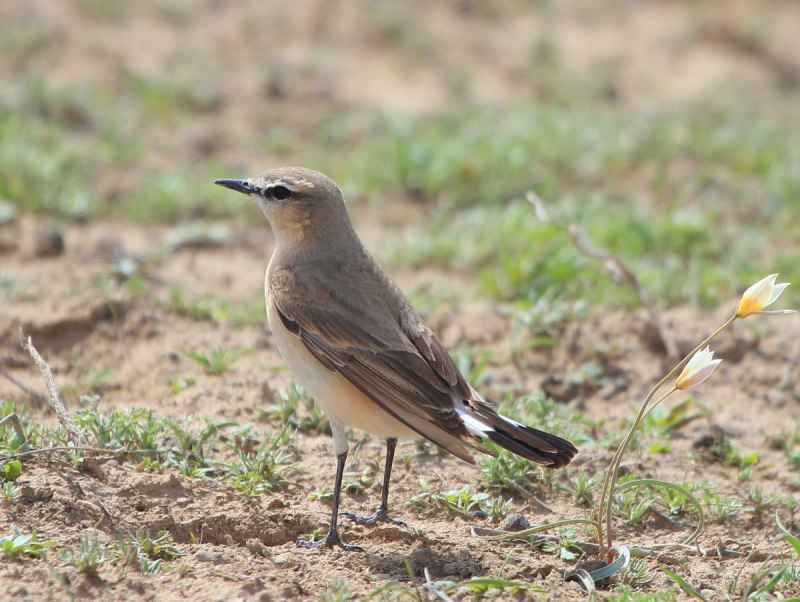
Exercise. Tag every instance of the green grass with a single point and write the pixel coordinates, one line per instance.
(194, 447)
(480, 157)
(88, 557)
(698, 200)
(217, 360)
(460, 502)
(18, 544)
(11, 492)
(475, 588)
(217, 308)
(57, 135)
(267, 467)
(147, 551)
(688, 198)
(295, 407)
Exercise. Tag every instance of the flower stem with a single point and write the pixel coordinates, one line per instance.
(610, 481)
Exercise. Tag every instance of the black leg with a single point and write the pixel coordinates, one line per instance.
(381, 514)
(332, 538)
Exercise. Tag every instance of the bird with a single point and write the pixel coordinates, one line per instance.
(352, 339)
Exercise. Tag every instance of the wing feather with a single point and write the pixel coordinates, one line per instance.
(402, 367)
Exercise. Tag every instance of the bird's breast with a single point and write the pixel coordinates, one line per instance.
(341, 401)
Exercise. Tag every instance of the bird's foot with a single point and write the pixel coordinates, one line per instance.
(381, 515)
(331, 540)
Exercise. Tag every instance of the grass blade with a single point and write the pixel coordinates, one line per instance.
(683, 584)
(701, 522)
(787, 535)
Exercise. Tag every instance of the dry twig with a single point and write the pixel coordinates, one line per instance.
(720, 551)
(618, 271)
(14, 420)
(25, 388)
(54, 398)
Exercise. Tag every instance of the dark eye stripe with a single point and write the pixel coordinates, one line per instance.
(279, 192)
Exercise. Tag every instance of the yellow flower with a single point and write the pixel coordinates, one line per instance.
(698, 369)
(763, 293)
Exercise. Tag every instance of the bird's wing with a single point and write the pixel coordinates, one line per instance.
(385, 351)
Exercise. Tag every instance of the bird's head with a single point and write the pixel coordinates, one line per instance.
(302, 205)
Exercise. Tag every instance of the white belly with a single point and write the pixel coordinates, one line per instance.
(342, 402)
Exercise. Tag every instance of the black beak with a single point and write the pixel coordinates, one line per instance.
(242, 186)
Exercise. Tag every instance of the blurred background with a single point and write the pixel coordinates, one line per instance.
(669, 130)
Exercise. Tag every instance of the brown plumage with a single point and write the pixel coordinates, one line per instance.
(355, 343)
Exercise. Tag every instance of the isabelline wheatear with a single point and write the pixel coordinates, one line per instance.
(352, 339)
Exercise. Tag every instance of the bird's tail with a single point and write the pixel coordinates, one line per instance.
(530, 443)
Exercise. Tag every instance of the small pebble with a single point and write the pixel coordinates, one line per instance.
(255, 547)
(276, 504)
(212, 557)
(48, 242)
(516, 522)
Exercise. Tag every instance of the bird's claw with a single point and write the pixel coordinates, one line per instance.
(331, 540)
(380, 516)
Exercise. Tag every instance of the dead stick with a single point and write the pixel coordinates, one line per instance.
(532, 498)
(14, 420)
(719, 552)
(37, 396)
(97, 450)
(52, 390)
(620, 273)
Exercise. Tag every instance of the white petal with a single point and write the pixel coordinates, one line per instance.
(692, 378)
(704, 372)
(776, 292)
(698, 360)
(761, 289)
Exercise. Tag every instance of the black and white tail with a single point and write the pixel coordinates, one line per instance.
(529, 443)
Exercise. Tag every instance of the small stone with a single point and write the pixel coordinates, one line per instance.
(212, 557)
(516, 522)
(255, 547)
(48, 242)
(450, 568)
(276, 504)
(286, 560)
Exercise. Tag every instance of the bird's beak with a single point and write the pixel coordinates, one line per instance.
(242, 186)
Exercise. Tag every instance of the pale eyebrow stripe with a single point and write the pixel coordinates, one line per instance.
(293, 185)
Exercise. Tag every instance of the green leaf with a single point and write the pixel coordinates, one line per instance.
(12, 470)
(791, 539)
(683, 584)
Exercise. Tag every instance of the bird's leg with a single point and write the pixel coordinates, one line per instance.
(381, 515)
(332, 538)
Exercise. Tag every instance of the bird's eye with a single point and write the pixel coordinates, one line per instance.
(280, 193)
